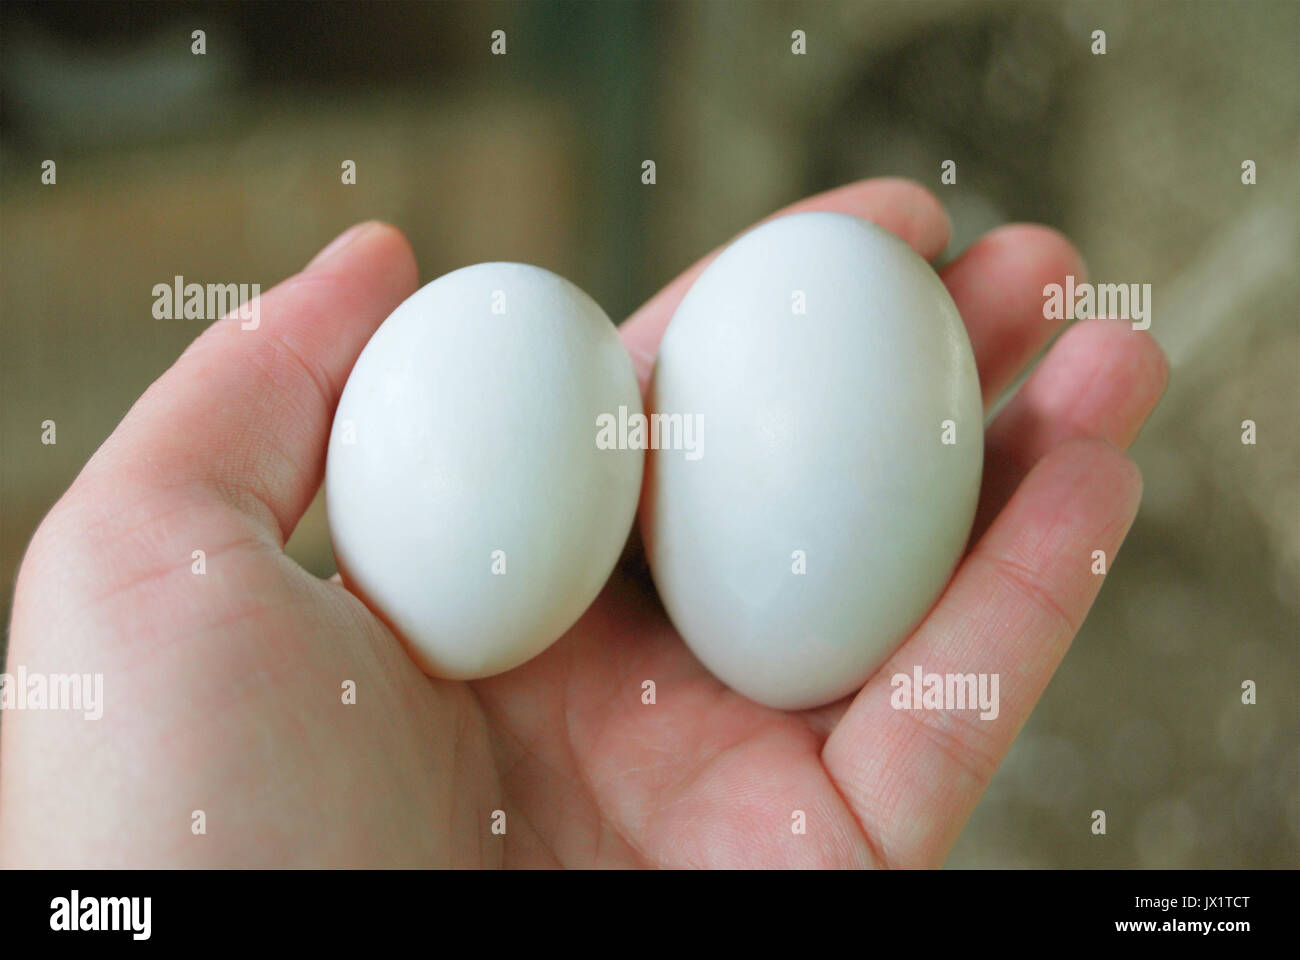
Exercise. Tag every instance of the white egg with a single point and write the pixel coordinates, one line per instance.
(836, 395)
(469, 504)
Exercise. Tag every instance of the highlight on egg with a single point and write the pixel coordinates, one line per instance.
(845, 449)
(468, 502)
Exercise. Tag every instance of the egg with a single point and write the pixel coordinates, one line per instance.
(833, 484)
(469, 503)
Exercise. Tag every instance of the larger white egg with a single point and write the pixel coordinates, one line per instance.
(469, 504)
(838, 451)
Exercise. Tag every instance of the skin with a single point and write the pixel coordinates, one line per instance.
(223, 691)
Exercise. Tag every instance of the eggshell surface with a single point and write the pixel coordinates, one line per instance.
(468, 502)
(836, 483)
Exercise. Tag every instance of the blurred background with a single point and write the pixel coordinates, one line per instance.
(226, 167)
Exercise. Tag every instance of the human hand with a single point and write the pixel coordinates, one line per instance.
(223, 691)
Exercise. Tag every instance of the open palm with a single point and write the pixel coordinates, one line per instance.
(223, 691)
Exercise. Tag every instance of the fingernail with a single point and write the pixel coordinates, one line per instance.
(338, 243)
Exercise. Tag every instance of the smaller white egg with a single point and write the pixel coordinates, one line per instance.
(469, 503)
